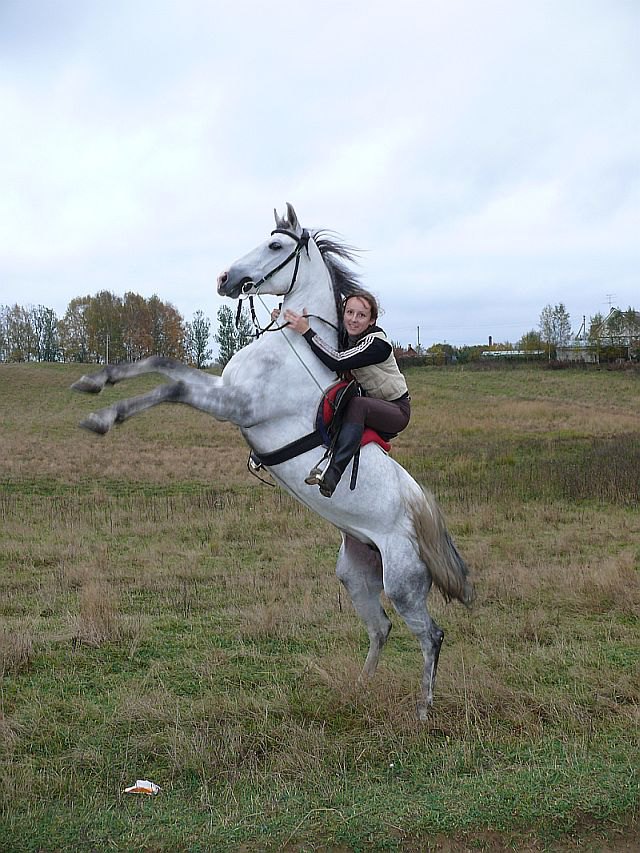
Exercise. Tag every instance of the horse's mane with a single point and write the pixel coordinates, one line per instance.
(346, 282)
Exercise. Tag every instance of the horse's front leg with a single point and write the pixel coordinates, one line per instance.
(112, 373)
(226, 403)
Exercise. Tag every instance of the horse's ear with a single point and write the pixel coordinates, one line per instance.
(280, 223)
(293, 219)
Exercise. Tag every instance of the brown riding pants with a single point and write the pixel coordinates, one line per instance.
(381, 415)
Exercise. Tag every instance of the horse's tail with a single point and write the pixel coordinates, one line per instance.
(448, 570)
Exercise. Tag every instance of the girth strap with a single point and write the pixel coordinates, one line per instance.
(289, 451)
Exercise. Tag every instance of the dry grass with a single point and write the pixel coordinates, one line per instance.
(16, 649)
(41, 441)
(183, 622)
(98, 620)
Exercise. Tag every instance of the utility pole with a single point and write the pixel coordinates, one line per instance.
(418, 340)
(582, 334)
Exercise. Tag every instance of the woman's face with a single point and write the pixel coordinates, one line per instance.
(357, 316)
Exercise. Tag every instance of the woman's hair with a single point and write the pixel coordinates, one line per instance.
(367, 297)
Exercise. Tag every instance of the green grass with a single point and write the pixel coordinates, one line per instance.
(165, 616)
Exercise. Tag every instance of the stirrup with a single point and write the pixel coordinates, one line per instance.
(315, 476)
(254, 464)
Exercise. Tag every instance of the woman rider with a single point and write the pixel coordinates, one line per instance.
(369, 357)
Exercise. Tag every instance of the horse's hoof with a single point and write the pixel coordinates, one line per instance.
(94, 423)
(422, 711)
(87, 385)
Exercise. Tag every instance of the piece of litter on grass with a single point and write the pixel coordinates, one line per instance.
(143, 786)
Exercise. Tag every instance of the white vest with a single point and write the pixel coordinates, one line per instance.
(383, 380)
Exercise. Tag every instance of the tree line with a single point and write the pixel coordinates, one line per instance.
(616, 335)
(109, 328)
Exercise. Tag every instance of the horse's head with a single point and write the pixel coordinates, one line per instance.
(272, 267)
(310, 270)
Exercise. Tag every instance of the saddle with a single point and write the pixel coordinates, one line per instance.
(331, 415)
(328, 421)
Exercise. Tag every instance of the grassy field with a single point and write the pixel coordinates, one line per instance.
(163, 615)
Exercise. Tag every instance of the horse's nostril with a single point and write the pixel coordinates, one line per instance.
(222, 278)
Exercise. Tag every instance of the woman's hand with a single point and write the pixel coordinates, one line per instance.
(297, 322)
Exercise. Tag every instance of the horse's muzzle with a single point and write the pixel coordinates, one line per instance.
(228, 286)
(221, 282)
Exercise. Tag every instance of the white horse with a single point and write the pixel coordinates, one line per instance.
(393, 534)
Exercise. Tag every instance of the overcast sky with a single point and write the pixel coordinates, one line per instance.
(484, 155)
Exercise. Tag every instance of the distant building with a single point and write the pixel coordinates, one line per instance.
(512, 353)
(409, 352)
(615, 331)
(577, 351)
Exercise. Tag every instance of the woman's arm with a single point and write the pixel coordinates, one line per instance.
(370, 350)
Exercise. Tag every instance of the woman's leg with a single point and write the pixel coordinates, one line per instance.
(379, 414)
(389, 418)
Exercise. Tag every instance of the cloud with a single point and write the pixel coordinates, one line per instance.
(485, 156)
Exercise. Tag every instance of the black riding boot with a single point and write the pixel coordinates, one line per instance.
(346, 445)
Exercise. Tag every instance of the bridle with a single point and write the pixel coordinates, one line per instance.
(302, 243)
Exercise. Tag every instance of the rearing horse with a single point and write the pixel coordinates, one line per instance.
(393, 534)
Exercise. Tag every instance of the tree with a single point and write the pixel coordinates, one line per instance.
(4, 342)
(46, 333)
(197, 340)
(20, 339)
(103, 316)
(167, 329)
(225, 337)
(137, 331)
(632, 322)
(596, 328)
(229, 339)
(244, 330)
(74, 337)
(441, 353)
(530, 341)
(555, 327)
(466, 354)
(94, 328)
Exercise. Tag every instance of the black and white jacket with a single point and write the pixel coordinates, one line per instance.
(369, 359)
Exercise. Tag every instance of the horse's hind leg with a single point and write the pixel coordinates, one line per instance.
(407, 584)
(110, 374)
(224, 403)
(359, 568)
(102, 421)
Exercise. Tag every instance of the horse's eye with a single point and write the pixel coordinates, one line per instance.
(274, 245)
